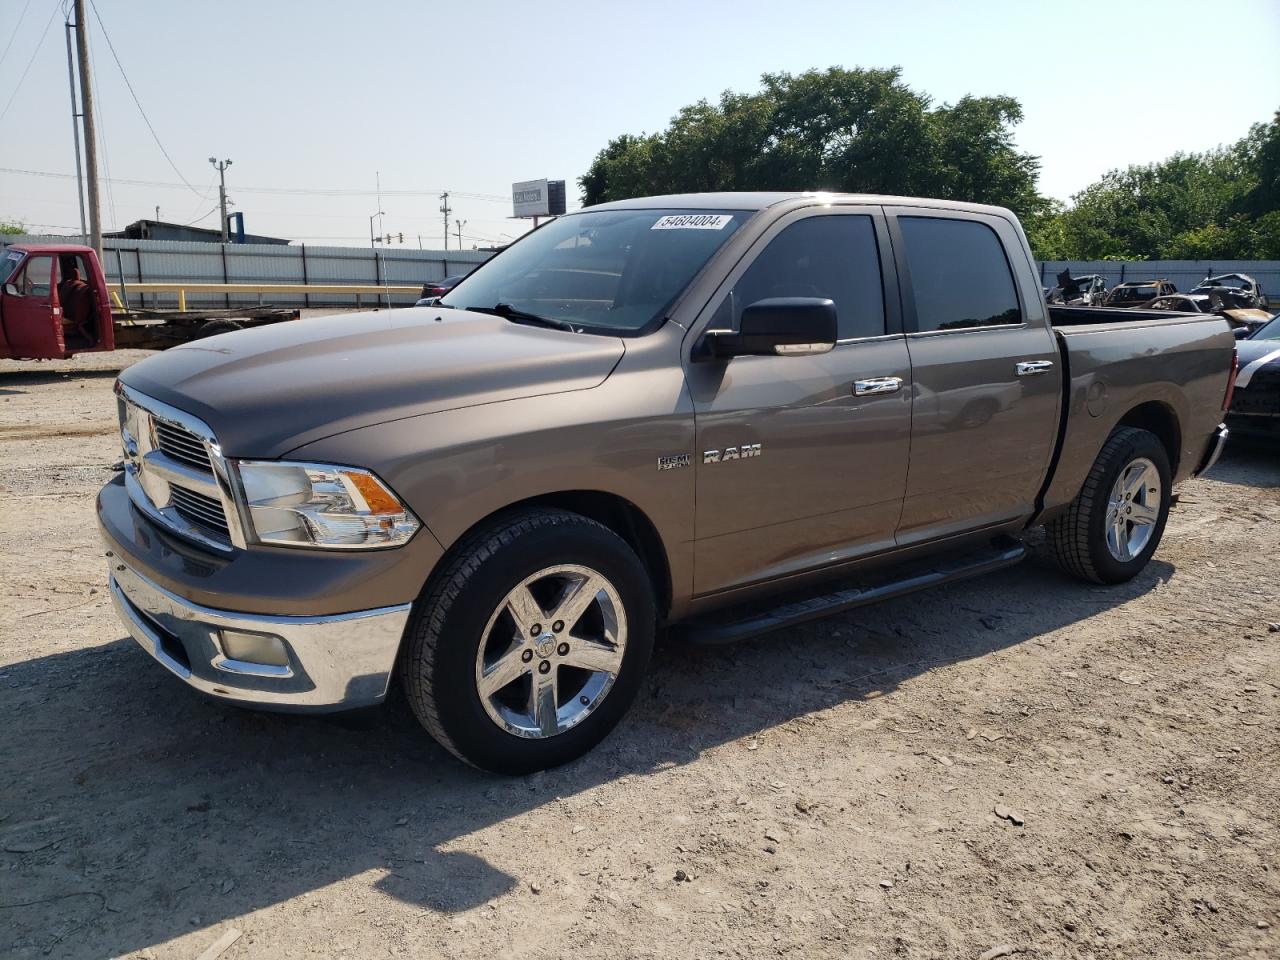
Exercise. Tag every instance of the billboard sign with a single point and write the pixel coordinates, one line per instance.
(537, 198)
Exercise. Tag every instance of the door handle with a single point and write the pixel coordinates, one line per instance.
(1031, 368)
(868, 388)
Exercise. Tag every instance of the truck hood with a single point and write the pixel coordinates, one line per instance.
(271, 389)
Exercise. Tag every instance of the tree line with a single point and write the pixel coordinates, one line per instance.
(866, 131)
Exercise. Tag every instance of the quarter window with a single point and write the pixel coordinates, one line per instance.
(834, 257)
(959, 274)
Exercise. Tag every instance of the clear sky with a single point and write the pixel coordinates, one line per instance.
(311, 100)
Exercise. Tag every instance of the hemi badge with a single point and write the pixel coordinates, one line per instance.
(673, 461)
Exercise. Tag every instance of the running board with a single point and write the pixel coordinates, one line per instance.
(722, 627)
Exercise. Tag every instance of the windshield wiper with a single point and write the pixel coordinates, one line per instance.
(508, 312)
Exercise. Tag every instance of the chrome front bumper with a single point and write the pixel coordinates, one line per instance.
(335, 662)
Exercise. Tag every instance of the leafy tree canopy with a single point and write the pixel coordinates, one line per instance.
(865, 131)
(1222, 204)
(854, 130)
(11, 229)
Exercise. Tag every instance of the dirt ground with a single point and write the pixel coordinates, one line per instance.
(827, 791)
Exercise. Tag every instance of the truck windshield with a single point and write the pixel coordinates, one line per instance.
(611, 272)
(9, 264)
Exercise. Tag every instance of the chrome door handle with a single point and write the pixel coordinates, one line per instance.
(1030, 368)
(867, 388)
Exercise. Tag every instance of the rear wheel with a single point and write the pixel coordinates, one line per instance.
(530, 645)
(1115, 523)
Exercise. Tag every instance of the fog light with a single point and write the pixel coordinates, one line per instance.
(254, 648)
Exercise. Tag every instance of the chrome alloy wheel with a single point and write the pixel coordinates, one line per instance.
(1133, 509)
(551, 651)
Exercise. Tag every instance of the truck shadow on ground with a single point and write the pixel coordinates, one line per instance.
(136, 811)
(1248, 462)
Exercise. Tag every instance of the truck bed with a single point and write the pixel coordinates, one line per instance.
(1062, 316)
(1172, 375)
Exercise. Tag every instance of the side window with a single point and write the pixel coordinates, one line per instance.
(36, 277)
(959, 274)
(827, 256)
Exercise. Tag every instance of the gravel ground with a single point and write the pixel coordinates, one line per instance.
(1017, 765)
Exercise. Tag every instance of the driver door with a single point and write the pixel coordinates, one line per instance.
(32, 317)
(801, 461)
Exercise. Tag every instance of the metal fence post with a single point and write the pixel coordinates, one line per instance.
(124, 290)
(306, 297)
(222, 248)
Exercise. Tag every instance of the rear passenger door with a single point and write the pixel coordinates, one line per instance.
(801, 460)
(984, 368)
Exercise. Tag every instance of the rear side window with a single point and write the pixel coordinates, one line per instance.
(959, 274)
(834, 257)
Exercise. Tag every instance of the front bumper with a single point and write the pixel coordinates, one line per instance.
(335, 662)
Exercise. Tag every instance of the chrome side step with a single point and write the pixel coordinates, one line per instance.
(724, 627)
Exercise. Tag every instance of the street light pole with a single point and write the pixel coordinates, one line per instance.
(222, 191)
(373, 217)
(460, 224)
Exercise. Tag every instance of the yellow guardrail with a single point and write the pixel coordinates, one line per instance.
(259, 289)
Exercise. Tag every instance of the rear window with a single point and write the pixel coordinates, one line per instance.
(960, 276)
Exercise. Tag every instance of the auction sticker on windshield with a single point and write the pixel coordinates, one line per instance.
(693, 221)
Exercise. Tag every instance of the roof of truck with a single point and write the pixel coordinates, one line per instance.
(52, 247)
(745, 200)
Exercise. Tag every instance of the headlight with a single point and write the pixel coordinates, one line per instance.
(321, 505)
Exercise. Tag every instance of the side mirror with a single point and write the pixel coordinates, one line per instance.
(779, 326)
(1241, 333)
(11, 290)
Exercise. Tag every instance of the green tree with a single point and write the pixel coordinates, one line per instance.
(11, 229)
(1221, 204)
(852, 130)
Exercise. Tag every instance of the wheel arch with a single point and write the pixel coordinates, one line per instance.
(1160, 419)
(611, 510)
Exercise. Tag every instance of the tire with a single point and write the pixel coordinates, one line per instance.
(211, 328)
(462, 625)
(1084, 537)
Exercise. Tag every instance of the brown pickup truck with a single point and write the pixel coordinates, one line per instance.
(715, 415)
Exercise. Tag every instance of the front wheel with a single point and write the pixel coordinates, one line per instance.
(531, 643)
(1114, 525)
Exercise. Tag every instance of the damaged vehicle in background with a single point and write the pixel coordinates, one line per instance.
(1235, 291)
(1135, 293)
(1255, 405)
(1243, 321)
(1087, 291)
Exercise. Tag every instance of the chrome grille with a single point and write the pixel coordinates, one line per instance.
(200, 510)
(175, 473)
(183, 446)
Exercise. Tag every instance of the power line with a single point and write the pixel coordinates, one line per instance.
(13, 36)
(138, 103)
(34, 53)
(278, 191)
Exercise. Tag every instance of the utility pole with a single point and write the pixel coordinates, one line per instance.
(446, 210)
(222, 191)
(75, 134)
(90, 129)
(460, 224)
